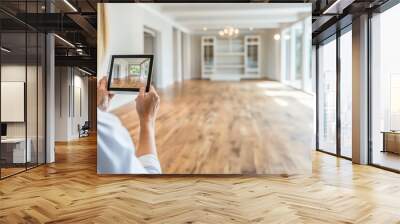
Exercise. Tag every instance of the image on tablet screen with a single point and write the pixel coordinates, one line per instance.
(130, 72)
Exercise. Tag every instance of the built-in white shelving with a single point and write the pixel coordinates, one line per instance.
(230, 59)
(230, 66)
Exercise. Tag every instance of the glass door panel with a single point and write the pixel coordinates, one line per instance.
(252, 56)
(13, 92)
(299, 53)
(287, 51)
(209, 55)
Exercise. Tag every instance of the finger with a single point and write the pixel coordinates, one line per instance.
(103, 83)
(141, 92)
(153, 91)
(103, 80)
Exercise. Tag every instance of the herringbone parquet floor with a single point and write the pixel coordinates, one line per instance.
(70, 191)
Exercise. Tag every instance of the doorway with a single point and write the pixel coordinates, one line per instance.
(149, 47)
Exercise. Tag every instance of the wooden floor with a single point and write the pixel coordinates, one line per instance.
(247, 127)
(70, 191)
(387, 159)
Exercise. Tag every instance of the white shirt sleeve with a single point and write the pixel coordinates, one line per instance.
(150, 163)
(116, 151)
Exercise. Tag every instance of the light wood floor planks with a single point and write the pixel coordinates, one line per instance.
(244, 127)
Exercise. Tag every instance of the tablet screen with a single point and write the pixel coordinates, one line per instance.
(130, 72)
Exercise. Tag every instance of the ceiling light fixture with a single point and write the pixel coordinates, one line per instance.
(229, 32)
(204, 28)
(5, 50)
(277, 36)
(70, 5)
(251, 28)
(65, 41)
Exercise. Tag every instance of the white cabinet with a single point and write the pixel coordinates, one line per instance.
(207, 56)
(252, 52)
(230, 59)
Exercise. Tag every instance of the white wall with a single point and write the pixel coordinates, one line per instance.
(195, 58)
(62, 81)
(80, 82)
(125, 35)
(15, 72)
(187, 54)
(66, 121)
(270, 55)
(178, 47)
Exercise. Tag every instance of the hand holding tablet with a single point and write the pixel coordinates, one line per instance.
(128, 73)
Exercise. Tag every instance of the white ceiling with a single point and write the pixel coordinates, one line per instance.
(193, 17)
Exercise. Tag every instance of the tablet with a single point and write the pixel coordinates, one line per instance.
(129, 73)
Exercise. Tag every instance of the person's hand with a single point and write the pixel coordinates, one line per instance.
(103, 96)
(147, 105)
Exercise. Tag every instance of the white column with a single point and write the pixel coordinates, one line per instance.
(50, 99)
(360, 90)
(186, 56)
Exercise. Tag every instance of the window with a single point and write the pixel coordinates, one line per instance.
(327, 97)
(296, 56)
(299, 51)
(346, 94)
(385, 89)
(287, 53)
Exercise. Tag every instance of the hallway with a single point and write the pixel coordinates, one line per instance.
(260, 127)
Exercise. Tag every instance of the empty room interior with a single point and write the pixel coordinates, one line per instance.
(271, 111)
(206, 71)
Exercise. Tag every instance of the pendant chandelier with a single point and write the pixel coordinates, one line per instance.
(229, 32)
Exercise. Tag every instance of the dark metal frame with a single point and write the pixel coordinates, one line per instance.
(369, 90)
(338, 98)
(317, 96)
